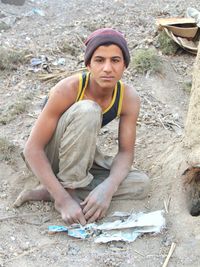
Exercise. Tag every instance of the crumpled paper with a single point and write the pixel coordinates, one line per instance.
(126, 229)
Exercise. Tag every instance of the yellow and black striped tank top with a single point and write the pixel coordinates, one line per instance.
(115, 106)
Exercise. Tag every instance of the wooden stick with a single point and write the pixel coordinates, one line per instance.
(166, 204)
(172, 248)
(80, 40)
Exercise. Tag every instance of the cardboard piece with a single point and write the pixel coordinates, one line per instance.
(183, 27)
(162, 22)
(188, 45)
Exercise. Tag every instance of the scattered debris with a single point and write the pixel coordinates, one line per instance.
(38, 61)
(58, 75)
(7, 22)
(124, 229)
(38, 12)
(183, 31)
(60, 62)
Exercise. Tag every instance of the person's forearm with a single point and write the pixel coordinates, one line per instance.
(120, 168)
(41, 167)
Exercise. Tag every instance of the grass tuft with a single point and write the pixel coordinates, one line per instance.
(11, 59)
(7, 150)
(146, 60)
(187, 86)
(167, 45)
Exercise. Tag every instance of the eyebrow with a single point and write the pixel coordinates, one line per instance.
(114, 57)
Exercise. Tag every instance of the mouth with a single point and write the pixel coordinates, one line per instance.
(107, 78)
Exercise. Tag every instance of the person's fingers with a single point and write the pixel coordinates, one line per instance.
(82, 220)
(95, 217)
(84, 202)
(68, 220)
(90, 212)
(88, 207)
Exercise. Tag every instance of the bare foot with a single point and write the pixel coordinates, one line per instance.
(39, 193)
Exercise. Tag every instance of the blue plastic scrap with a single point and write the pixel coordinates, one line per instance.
(74, 232)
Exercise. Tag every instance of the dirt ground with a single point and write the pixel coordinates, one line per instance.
(43, 27)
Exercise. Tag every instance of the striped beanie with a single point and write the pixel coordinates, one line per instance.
(106, 36)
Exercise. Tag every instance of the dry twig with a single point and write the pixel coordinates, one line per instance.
(172, 248)
(59, 75)
(166, 204)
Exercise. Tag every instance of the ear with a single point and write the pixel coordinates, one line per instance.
(88, 67)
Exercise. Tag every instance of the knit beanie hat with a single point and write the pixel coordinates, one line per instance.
(106, 36)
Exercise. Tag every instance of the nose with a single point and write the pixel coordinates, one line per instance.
(107, 66)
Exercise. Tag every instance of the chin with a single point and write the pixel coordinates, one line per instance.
(107, 84)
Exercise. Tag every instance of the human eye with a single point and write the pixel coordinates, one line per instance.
(115, 60)
(98, 59)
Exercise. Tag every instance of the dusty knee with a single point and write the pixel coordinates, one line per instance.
(88, 108)
(137, 184)
(88, 112)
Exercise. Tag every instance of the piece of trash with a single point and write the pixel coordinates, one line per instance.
(38, 12)
(124, 229)
(187, 45)
(141, 220)
(120, 214)
(183, 31)
(75, 230)
(119, 236)
(8, 21)
(60, 61)
(38, 61)
(34, 11)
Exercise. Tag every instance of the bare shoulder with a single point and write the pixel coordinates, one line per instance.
(63, 94)
(67, 87)
(131, 101)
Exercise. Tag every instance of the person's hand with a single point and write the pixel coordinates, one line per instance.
(70, 211)
(97, 202)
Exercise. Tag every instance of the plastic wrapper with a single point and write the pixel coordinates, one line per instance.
(125, 229)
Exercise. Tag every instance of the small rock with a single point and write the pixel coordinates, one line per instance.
(13, 2)
(8, 22)
(12, 238)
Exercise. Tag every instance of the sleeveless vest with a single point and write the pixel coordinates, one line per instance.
(115, 106)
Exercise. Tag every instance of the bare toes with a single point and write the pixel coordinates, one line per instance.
(22, 198)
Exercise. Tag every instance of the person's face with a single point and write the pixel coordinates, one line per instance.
(107, 65)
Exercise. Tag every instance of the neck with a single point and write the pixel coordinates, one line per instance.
(99, 92)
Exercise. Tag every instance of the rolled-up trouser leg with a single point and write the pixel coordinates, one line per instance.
(135, 186)
(72, 148)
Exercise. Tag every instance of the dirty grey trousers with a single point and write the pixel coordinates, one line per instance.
(76, 160)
